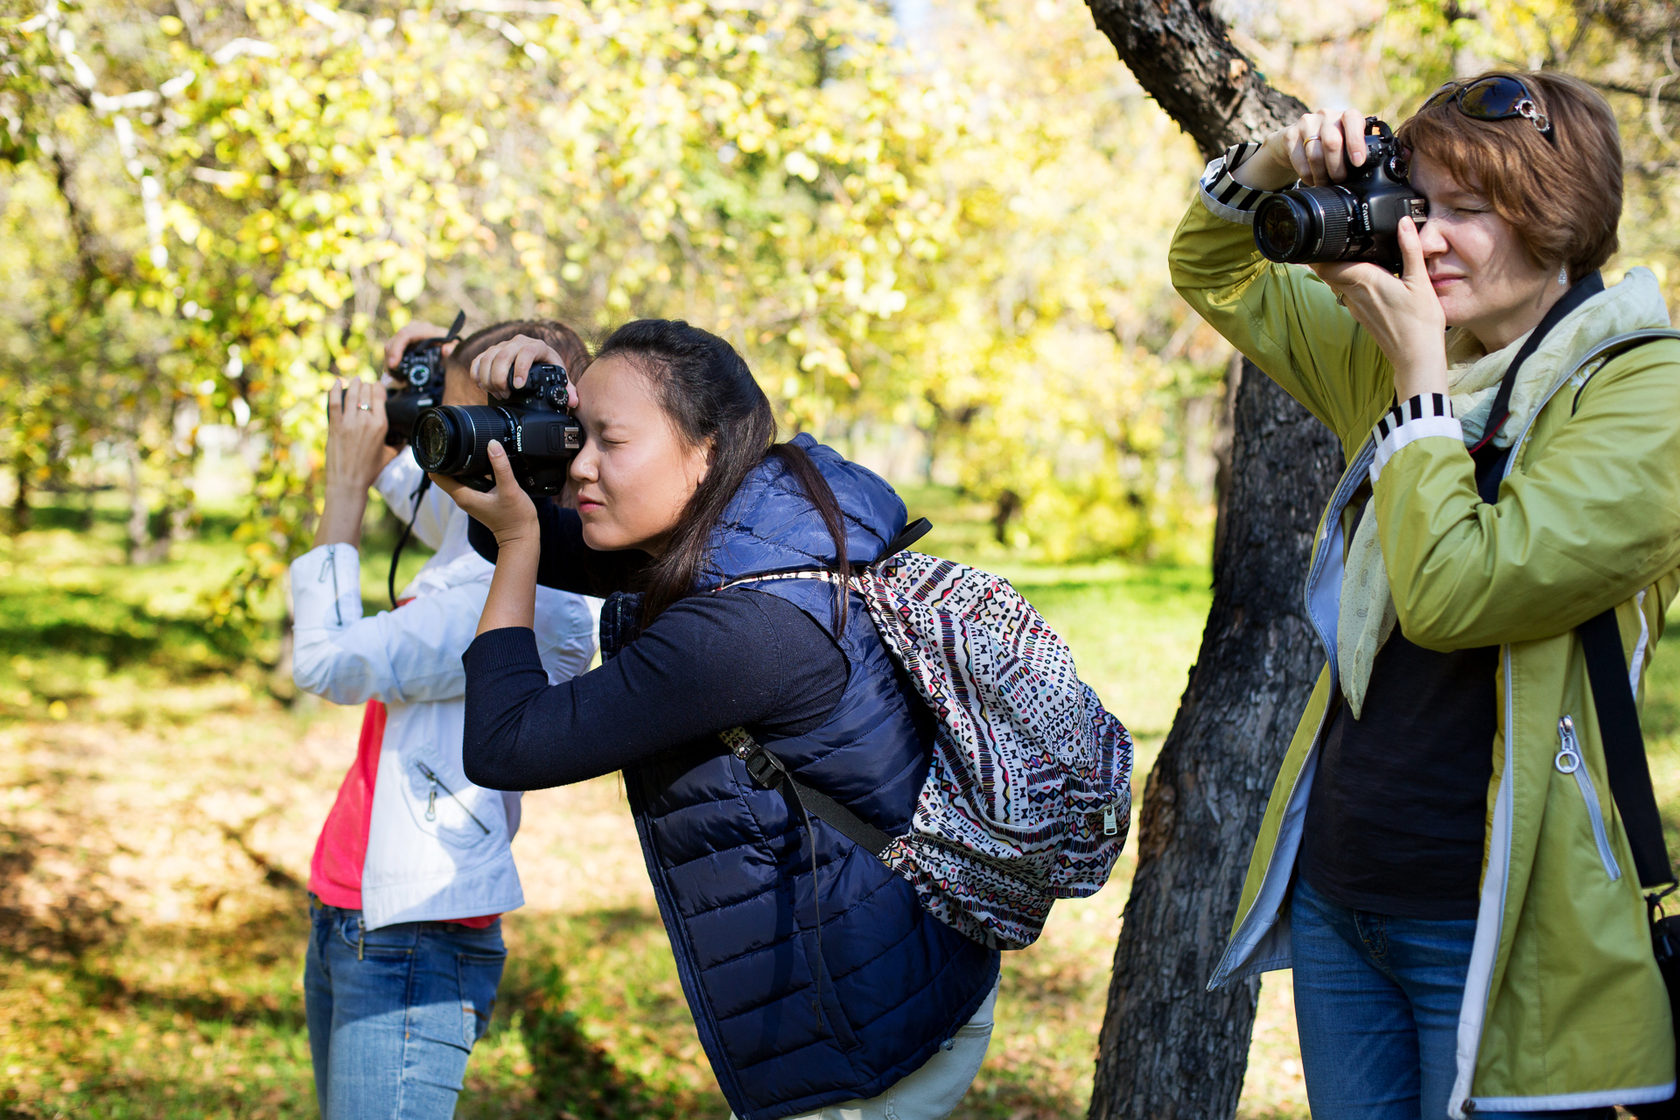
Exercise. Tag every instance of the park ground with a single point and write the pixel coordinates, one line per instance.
(160, 792)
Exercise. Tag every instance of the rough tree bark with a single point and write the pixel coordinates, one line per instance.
(1169, 1048)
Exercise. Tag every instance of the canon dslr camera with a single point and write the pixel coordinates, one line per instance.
(420, 369)
(1357, 219)
(539, 434)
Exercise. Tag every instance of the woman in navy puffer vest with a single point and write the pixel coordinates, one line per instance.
(815, 978)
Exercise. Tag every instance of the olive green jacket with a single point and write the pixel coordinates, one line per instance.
(1563, 1006)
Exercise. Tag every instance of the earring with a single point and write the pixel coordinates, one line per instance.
(1563, 276)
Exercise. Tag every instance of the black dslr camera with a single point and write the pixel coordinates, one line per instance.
(532, 423)
(420, 369)
(1357, 219)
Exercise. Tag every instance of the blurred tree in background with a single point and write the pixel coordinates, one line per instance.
(209, 210)
(938, 238)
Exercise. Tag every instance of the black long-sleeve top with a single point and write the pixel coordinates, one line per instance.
(707, 663)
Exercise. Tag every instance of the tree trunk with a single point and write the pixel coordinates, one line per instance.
(138, 527)
(20, 500)
(1169, 1048)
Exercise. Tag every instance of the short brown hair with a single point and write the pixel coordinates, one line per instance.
(574, 353)
(1563, 199)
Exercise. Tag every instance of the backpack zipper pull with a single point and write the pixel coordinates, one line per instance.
(1111, 821)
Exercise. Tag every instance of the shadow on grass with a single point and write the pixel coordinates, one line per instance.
(573, 1074)
(269, 940)
(87, 511)
(78, 921)
(121, 634)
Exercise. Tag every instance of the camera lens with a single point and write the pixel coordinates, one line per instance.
(431, 439)
(455, 439)
(1283, 228)
(1306, 224)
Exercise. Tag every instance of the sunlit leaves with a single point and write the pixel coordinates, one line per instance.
(957, 233)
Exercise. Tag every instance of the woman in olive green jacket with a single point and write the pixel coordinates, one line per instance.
(1441, 861)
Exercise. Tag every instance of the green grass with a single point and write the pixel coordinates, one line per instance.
(158, 808)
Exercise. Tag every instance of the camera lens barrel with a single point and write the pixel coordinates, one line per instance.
(455, 440)
(1306, 224)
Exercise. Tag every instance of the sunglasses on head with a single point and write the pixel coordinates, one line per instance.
(1494, 99)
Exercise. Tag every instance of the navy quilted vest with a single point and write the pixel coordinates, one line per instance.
(792, 1020)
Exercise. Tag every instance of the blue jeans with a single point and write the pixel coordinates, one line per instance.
(1376, 1006)
(394, 1012)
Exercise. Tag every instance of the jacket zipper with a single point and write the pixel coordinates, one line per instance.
(431, 799)
(329, 566)
(688, 970)
(1568, 761)
(1480, 967)
(1357, 470)
(1242, 941)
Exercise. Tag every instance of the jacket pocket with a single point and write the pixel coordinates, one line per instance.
(446, 811)
(1569, 761)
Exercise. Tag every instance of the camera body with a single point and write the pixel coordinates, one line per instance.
(533, 424)
(1357, 219)
(421, 371)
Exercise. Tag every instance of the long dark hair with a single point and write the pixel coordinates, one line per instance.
(709, 394)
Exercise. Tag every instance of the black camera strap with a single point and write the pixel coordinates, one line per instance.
(454, 329)
(1583, 290)
(396, 553)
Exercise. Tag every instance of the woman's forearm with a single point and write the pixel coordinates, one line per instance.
(513, 589)
(341, 516)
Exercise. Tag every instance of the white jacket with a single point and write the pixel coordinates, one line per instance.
(458, 863)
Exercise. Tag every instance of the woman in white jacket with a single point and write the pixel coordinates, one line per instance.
(413, 866)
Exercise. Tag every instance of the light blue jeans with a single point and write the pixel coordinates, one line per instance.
(934, 1090)
(1376, 1007)
(394, 1012)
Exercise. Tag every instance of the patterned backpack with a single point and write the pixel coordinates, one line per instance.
(1028, 796)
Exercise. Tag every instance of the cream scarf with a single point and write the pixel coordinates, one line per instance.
(1366, 616)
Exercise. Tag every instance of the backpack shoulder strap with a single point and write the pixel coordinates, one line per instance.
(1613, 346)
(907, 536)
(1624, 748)
(1601, 644)
(768, 772)
(821, 575)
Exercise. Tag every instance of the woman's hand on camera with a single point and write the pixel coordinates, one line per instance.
(507, 511)
(1318, 149)
(415, 331)
(356, 449)
(1402, 313)
(356, 453)
(506, 366)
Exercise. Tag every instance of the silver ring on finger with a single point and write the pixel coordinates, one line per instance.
(364, 408)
